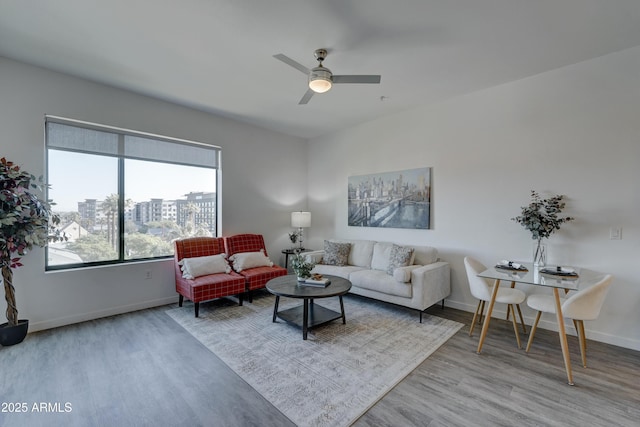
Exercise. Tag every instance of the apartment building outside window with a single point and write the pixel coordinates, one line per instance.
(125, 195)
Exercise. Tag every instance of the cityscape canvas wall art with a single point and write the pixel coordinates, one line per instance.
(399, 199)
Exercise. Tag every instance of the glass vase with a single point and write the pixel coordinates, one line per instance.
(539, 254)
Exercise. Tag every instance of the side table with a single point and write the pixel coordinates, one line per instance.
(288, 252)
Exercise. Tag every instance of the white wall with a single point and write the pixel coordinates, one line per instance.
(573, 131)
(263, 180)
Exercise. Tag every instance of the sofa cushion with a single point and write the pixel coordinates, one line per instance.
(336, 253)
(380, 281)
(204, 265)
(244, 260)
(361, 253)
(381, 256)
(424, 255)
(335, 270)
(400, 257)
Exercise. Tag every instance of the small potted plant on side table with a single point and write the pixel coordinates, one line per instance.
(25, 221)
(293, 237)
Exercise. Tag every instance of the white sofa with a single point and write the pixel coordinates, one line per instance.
(419, 285)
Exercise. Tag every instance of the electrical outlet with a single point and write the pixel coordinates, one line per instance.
(615, 233)
(147, 274)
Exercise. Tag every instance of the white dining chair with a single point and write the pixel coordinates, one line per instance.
(481, 290)
(584, 304)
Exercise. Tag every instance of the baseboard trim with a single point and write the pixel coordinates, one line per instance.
(616, 340)
(83, 317)
(553, 326)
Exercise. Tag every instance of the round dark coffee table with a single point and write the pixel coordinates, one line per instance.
(309, 315)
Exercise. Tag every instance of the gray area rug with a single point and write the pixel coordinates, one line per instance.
(338, 373)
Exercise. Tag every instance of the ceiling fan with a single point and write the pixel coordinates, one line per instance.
(321, 78)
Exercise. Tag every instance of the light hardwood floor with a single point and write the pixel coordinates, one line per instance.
(143, 369)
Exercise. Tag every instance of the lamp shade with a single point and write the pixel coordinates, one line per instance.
(301, 219)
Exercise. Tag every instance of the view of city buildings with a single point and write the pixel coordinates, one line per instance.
(150, 227)
(201, 206)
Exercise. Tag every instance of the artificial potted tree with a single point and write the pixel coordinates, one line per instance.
(26, 220)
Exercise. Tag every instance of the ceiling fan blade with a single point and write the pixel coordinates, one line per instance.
(306, 97)
(355, 78)
(291, 62)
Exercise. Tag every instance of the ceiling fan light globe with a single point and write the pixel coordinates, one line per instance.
(320, 80)
(320, 85)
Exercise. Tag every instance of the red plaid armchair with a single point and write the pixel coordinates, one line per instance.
(209, 286)
(256, 277)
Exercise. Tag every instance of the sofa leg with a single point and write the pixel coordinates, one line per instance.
(420, 316)
(180, 300)
(240, 300)
(196, 306)
(443, 303)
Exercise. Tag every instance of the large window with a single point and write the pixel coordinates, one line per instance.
(125, 196)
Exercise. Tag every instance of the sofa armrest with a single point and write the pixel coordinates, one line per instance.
(403, 274)
(431, 283)
(313, 256)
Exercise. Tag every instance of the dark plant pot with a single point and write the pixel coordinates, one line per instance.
(12, 335)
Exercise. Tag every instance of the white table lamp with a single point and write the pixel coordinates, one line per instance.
(300, 220)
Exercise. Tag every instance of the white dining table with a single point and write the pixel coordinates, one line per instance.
(533, 276)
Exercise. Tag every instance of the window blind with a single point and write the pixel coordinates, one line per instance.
(72, 135)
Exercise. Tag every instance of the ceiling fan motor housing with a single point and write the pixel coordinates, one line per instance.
(320, 54)
(320, 79)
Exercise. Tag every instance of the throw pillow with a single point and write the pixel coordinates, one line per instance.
(336, 253)
(244, 260)
(204, 265)
(400, 257)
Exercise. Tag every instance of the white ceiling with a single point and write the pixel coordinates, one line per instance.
(217, 55)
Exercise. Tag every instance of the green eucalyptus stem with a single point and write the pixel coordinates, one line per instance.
(542, 216)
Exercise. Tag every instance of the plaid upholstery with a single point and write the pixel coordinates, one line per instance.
(244, 243)
(216, 286)
(256, 278)
(198, 246)
(205, 287)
